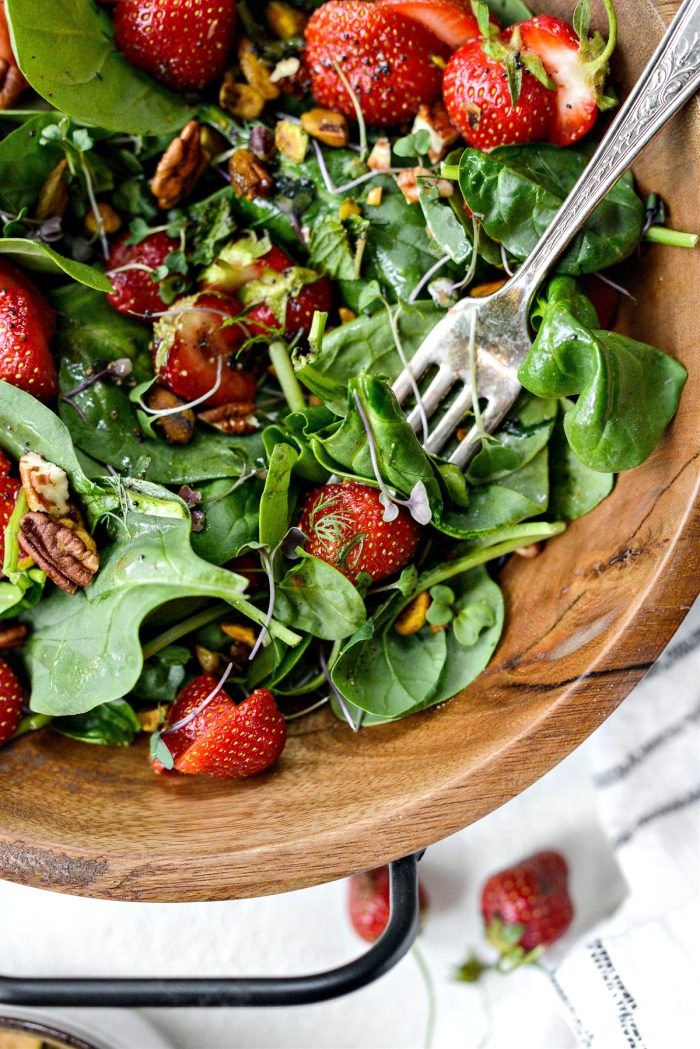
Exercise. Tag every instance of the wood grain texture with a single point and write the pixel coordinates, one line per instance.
(585, 621)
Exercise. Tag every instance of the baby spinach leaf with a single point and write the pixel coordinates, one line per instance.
(230, 518)
(519, 190)
(444, 226)
(114, 724)
(521, 494)
(90, 331)
(296, 429)
(315, 597)
(21, 151)
(523, 434)
(276, 499)
(162, 675)
(40, 258)
(508, 12)
(84, 648)
(66, 50)
(628, 391)
(574, 488)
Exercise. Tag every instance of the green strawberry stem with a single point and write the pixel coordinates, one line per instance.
(31, 723)
(450, 171)
(602, 59)
(430, 994)
(286, 377)
(674, 237)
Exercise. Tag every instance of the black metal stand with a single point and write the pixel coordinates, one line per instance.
(396, 940)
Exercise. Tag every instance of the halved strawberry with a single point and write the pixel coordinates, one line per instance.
(392, 64)
(452, 21)
(27, 323)
(577, 65)
(10, 702)
(194, 346)
(135, 292)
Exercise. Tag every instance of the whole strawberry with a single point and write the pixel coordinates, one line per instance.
(27, 323)
(389, 61)
(9, 490)
(369, 902)
(478, 99)
(195, 346)
(528, 905)
(452, 21)
(183, 44)
(345, 526)
(10, 702)
(135, 293)
(225, 740)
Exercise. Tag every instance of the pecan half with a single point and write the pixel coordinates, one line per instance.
(235, 417)
(59, 550)
(13, 636)
(179, 168)
(249, 178)
(45, 485)
(177, 427)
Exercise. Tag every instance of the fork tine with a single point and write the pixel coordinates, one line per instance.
(437, 389)
(490, 418)
(450, 420)
(422, 359)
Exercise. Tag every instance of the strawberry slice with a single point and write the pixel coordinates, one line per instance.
(226, 740)
(10, 702)
(577, 65)
(388, 60)
(451, 21)
(27, 323)
(135, 293)
(194, 348)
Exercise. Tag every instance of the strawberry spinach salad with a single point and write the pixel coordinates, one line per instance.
(223, 237)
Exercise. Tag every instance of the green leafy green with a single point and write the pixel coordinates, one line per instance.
(66, 50)
(162, 675)
(230, 518)
(519, 189)
(574, 489)
(40, 258)
(114, 724)
(297, 429)
(444, 226)
(519, 495)
(276, 501)
(508, 12)
(21, 151)
(315, 597)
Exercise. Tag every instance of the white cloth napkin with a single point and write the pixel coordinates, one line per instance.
(623, 809)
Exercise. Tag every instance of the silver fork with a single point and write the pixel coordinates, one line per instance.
(491, 334)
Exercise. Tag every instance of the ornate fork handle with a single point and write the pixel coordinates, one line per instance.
(670, 78)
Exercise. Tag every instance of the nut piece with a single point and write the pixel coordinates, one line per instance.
(59, 551)
(179, 168)
(407, 182)
(249, 178)
(210, 662)
(256, 72)
(327, 126)
(241, 100)
(286, 69)
(380, 157)
(53, 195)
(481, 290)
(443, 133)
(348, 208)
(374, 197)
(412, 619)
(238, 632)
(111, 221)
(150, 720)
(236, 417)
(291, 140)
(45, 485)
(178, 427)
(346, 315)
(533, 550)
(261, 142)
(13, 636)
(284, 20)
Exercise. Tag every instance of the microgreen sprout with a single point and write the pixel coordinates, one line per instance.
(267, 559)
(339, 698)
(115, 371)
(357, 107)
(306, 710)
(160, 413)
(427, 277)
(504, 260)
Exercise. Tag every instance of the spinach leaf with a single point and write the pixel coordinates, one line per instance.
(366, 345)
(230, 519)
(21, 151)
(162, 675)
(315, 597)
(276, 501)
(523, 434)
(296, 429)
(274, 663)
(84, 648)
(66, 50)
(628, 391)
(40, 258)
(90, 331)
(574, 488)
(519, 190)
(444, 226)
(521, 494)
(114, 724)
(508, 12)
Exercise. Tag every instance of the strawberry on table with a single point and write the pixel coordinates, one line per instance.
(528, 905)
(183, 44)
(27, 323)
(225, 739)
(135, 292)
(194, 348)
(389, 61)
(345, 526)
(452, 21)
(369, 902)
(10, 702)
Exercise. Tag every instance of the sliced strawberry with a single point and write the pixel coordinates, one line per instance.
(184, 45)
(477, 97)
(389, 61)
(532, 898)
(135, 293)
(9, 490)
(224, 739)
(370, 905)
(10, 702)
(577, 67)
(191, 339)
(27, 323)
(5, 465)
(346, 528)
(451, 21)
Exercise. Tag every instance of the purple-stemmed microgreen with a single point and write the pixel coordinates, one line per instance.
(158, 747)
(417, 503)
(338, 696)
(115, 371)
(618, 287)
(267, 560)
(159, 413)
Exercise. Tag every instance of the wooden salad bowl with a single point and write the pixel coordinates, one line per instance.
(585, 620)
